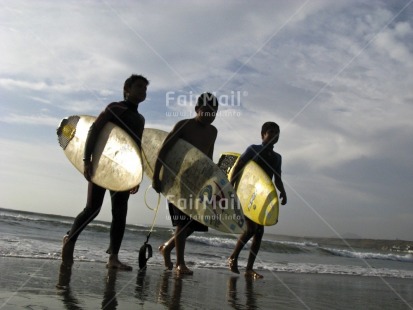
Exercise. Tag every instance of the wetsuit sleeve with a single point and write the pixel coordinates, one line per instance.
(137, 136)
(244, 158)
(248, 155)
(211, 149)
(111, 112)
(277, 166)
(277, 175)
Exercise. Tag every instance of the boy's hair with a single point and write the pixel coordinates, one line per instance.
(132, 79)
(207, 99)
(269, 125)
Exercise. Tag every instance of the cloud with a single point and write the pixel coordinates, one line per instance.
(393, 42)
(336, 76)
(38, 120)
(10, 84)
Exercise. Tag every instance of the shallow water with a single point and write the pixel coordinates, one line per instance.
(33, 235)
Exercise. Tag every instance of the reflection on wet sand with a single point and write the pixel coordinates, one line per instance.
(142, 286)
(176, 294)
(232, 292)
(109, 295)
(251, 299)
(163, 297)
(70, 302)
(63, 286)
(172, 300)
(234, 300)
(154, 288)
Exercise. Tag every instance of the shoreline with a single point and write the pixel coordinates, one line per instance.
(31, 283)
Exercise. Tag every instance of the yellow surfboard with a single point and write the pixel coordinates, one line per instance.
(255, 190)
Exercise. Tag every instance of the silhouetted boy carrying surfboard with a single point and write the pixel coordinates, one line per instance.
(125, 115)
(270, 162)
(200, 133)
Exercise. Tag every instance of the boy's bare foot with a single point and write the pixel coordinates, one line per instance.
(166, 256)
(67, 250)
(65, 272)
(233, 265)
(115, 263)
(253, 275)
(182, 269)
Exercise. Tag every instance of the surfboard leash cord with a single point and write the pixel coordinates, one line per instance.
(146, 247)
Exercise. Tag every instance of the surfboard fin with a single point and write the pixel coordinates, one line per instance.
(66, 130)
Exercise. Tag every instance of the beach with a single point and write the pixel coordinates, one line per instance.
(28, 283)
(299, 273)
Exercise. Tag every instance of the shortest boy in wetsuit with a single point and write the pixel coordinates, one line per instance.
(270, 162)
(200, 133)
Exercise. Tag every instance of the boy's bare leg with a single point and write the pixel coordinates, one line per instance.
(233, 259)
(115, 263)
(242, 240)
(233, 264)
(67, 250)
(180, 241)
(165, 250)
(255, 247)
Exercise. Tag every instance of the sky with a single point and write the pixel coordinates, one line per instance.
(335, 75)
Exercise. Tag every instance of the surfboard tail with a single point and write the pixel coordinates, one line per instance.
(227, 161)
(66, 130)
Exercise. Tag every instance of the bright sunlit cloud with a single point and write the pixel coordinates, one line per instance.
(336, 76)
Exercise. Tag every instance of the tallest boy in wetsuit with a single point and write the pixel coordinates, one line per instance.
(124, 114)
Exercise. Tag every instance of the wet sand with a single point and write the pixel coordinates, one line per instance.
(31, 284)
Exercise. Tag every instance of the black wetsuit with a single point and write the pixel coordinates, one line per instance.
(125, 115)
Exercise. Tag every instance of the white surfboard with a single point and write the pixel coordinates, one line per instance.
(117, 163)
(194, 183)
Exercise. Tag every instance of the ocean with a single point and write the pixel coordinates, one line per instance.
(39, 236)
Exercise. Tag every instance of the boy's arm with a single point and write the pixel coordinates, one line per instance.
(280, 185)
(170, 140)
(91, 139)
(236, 172)
(211, 149)
(242, 161)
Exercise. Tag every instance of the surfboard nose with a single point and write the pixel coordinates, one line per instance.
(66, 130)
